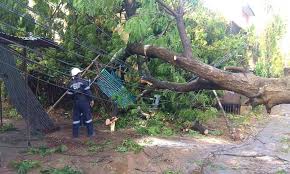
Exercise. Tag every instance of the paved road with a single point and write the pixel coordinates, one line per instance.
(267, 152)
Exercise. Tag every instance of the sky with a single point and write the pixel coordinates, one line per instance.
(231, 8)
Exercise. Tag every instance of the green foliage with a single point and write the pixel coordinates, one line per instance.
(193, 133)
(128, 120)
(24, 166)
(157, 125)
(64, 170)
(281, 172)
(43, 150)
(7, 127)
(216, 132)
(271, 64)
(186, 117)
(129, 145)
(97, 7)
(11, 113)
(171, 172)
(93, 147)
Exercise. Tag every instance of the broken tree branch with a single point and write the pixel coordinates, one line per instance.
(195, 85)
(236, 69)
(168, 9)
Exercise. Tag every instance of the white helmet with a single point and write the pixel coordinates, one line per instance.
(75, 71)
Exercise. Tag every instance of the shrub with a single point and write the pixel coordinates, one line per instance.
(24, 166)
(129, 145)
(7, 127)
(65, 170)
(43, 150)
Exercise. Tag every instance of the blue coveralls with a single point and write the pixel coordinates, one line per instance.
(82, 96)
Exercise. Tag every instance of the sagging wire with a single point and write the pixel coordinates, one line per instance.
(39, 53)
(3, 6)
(34, 62)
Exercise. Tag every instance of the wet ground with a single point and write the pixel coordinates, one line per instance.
(267, 150)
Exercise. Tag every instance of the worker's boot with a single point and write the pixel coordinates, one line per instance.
(76, 130)
(90, 128)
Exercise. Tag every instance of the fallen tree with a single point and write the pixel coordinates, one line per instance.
(266, 91)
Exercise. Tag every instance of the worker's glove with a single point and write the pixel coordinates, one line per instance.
(92, 103)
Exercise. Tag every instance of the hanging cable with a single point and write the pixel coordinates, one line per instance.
(5, 7)
(39, 53)
(18, 55)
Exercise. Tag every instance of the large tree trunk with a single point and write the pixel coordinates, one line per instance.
(267, 91)
(22, 97)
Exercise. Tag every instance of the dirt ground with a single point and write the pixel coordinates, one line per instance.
(264, 149)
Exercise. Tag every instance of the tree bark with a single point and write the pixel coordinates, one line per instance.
(197, 126)
(130, 7)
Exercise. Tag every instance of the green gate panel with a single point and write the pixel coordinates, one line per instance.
(111, 85)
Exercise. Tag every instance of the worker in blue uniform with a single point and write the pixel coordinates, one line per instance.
(83, 101)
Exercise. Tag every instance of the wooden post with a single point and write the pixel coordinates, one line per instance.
(112, 123)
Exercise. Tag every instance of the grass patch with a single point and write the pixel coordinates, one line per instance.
(65, 170)
(216, 132)
(12, 114)
(238, 120)
(93, 147)
(7, 127)
(24, 166)
(285, 141)
(129, 145)
(257, 114)
(194, 133)
(43, 150)
(171, 172)
(281, 172)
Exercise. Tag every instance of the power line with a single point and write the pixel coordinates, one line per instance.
(45, 26)
(5, 7)
(39, 53)
(33, 62)
(104, 66)
(62, 61)
(69, 64)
